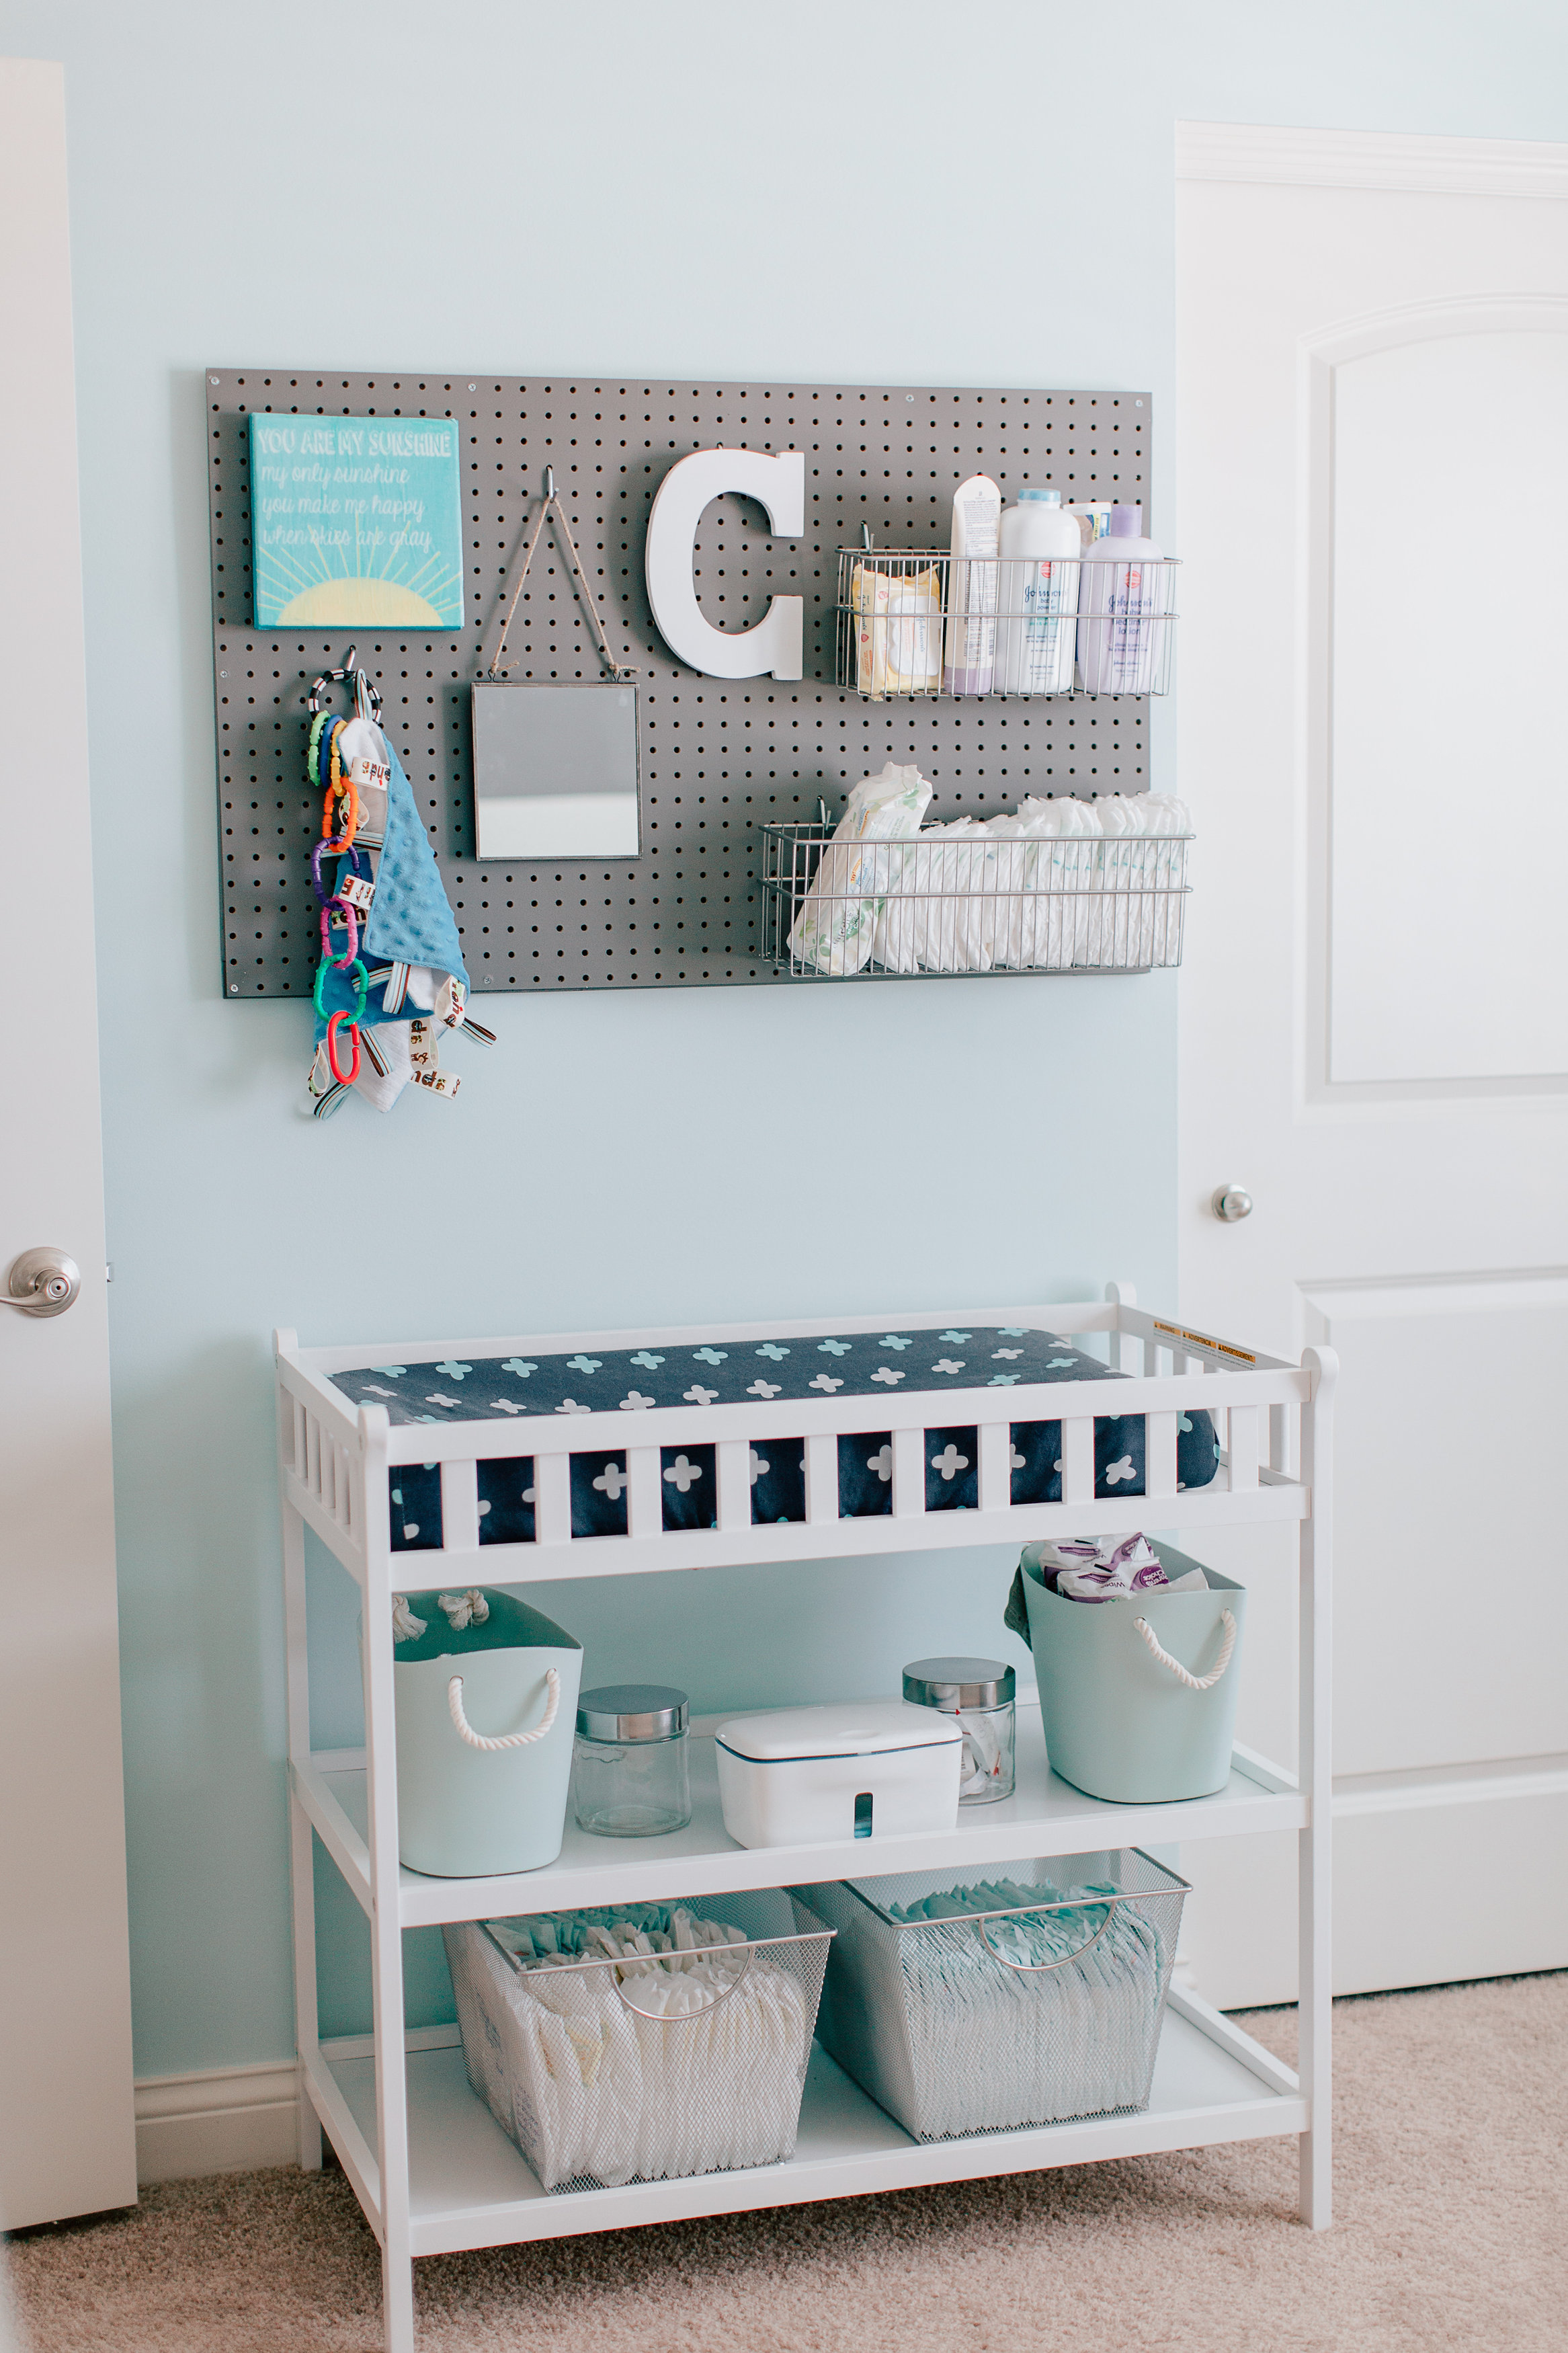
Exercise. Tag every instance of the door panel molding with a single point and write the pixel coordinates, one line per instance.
(1321, 356)
(1399, 163)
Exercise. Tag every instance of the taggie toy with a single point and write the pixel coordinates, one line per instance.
(390, 983)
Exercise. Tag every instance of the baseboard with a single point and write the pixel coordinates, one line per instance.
(218, 2120)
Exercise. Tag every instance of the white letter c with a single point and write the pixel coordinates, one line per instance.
(776, 483)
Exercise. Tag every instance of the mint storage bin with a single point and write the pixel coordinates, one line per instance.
(1120, 1723)
(485, 1711)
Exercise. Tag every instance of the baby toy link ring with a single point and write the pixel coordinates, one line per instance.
(339, 911)
(344, 1078)
(362, 988)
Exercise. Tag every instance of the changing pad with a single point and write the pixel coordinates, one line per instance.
(877, 1366)
(727, 1372)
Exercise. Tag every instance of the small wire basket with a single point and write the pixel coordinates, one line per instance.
(915, 621)
(604, 2071)
(984, 903)
(1016, 2015)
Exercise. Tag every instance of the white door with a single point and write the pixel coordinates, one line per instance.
(1373, 485)
(66, 2129)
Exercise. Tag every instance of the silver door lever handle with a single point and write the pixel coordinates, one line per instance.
(42, 1283)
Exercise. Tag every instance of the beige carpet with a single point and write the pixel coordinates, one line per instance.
(1451, 2181)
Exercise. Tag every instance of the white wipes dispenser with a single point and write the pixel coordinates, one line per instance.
(486, 1694)
(859, 1768)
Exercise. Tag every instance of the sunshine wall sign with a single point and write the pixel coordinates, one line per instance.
(355, 522)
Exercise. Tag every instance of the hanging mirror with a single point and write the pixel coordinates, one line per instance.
(555, 766)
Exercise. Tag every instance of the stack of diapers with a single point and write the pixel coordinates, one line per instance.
(953, 2034)
(1056, 884)
(939, 914)
(985, 2034)
(833, 928)
(595, 2094)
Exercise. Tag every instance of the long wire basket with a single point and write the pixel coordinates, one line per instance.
(984, 904)
(914, 621)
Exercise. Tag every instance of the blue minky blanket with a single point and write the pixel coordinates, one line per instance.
(857, 1364)
(411, 919)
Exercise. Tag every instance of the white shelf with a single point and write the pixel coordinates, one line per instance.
(470, 2187)
(1044, 1816)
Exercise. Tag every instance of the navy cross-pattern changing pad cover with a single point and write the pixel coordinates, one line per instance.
(873, 1364)
(727, 1372)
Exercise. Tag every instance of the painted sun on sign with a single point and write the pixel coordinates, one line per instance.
(355, 522)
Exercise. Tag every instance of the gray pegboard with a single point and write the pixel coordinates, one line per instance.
(718, 756)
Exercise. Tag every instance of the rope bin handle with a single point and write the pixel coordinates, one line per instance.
(509, 1740)
(1183, 1674)
(1039, 1969)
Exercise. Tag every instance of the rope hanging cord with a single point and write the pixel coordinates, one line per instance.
(1192, 1682)
(512, 1739)
(498, 669)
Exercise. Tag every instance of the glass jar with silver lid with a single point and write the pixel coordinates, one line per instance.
(981, 1693)
(631, 1777)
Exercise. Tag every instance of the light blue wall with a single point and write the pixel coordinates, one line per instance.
(709, 191)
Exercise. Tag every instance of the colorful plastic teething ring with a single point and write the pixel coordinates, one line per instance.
(362, 988)
(316, 766)
(344, 1078)
(348, 788)
(338, 910)
(318, 850)
(317, 727)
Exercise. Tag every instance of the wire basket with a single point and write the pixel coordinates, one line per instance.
(912, 621)
(1016, 2015)
(643, 2067)
(985, 903)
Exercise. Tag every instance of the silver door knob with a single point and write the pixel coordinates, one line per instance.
(1230, 1203)
(42, 1283)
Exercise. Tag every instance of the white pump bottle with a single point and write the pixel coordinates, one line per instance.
(1040, 544)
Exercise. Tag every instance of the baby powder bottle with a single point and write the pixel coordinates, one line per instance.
(1120, 600)
(1040, 544)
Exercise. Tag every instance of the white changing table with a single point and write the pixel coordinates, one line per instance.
(432, 2170)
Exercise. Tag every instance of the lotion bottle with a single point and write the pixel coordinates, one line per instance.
(972, 587)
(1121, 601)
(1040, 544)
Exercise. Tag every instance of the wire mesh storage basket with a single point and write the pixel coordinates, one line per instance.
(1009, 2014)
(908, 620)
(986, 902)
(642, 2042)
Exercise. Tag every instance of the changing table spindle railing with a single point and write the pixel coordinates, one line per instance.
(431, 2169)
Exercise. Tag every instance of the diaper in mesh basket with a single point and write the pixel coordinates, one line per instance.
(639, 2042)
(965, 2009)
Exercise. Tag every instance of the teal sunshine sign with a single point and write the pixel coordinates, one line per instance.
(356, 523)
